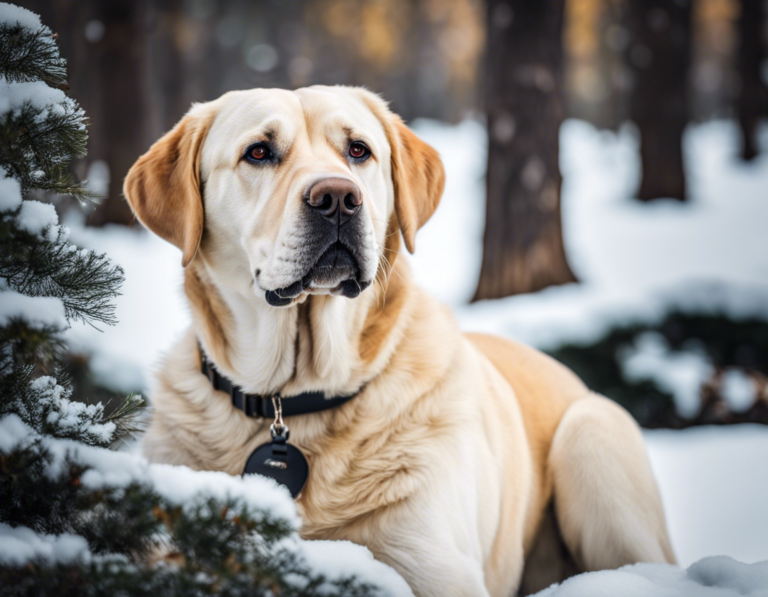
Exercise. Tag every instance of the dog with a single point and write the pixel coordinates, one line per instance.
(473, 465)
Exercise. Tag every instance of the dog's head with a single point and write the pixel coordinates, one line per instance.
(290, 192)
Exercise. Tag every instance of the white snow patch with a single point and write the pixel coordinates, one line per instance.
(10, 14)
(19, 545)
(10, 191)
(710, 577)
(738, 389)
(14, 433)
(67, 415)
(681, 373)
(339, 559)
(36, 311)
(35, 217)
(37, 94)
(714, 486)
(151, 311)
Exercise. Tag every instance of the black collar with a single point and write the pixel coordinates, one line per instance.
(254, 405)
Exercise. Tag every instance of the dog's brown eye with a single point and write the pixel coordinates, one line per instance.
(258, 153)
(358, 150)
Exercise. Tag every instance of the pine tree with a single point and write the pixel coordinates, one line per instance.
(77, 518)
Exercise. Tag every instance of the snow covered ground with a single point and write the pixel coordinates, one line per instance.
(710, 577)
(628, 256)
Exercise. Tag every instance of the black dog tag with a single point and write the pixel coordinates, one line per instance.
(281, 461)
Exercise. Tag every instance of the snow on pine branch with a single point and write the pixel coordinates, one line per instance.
(28, 51)
(106, 470)
(40, 127)
(187, 503)
(37, 312)
(52, 412)
(20, 545)
(37, 260)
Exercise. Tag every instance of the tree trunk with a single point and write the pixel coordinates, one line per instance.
(523, 244)
(753, 96)
(123, 80)
(659, 56)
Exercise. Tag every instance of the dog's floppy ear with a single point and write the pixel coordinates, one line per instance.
(417, 171)
(418, 177)
(163, 186)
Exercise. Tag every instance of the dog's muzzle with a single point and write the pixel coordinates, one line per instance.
(335, 234)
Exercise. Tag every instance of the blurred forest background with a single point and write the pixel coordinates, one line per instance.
(519, 66)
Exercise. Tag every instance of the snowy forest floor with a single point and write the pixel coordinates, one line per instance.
(627, 256)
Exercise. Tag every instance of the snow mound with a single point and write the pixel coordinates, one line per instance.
(714, 486)
(718, 576)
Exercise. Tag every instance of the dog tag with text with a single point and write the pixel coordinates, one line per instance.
(280, 461)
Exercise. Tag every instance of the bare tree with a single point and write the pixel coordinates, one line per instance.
(523, 244)
(659, 56)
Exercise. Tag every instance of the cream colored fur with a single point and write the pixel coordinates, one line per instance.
(466, 461)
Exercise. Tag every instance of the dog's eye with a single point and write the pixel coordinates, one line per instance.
(258, 153)
(359, 151)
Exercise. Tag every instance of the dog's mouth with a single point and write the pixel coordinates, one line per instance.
(335, 272)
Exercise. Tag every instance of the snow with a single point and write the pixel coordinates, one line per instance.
(14, 433)
(20, 545)
(179, 485)
(714, 486)
(680, 373)
(151, 310)
(67, 416)
(11, 14)
(37, 312)
(340, 559)
(10, 192)
(36, 94)
(632, 259)
(710, 577)
(738, 388)
(36, 217)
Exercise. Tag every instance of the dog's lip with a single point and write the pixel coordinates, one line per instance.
(350, 287)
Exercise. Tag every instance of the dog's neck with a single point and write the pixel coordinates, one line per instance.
(325, 343)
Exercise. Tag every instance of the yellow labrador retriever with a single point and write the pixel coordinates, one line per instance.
(471, 464)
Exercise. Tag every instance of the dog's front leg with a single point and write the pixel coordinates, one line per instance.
(436, 570)
(434, 546)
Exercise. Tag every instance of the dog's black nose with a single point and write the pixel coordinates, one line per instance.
(335, 198)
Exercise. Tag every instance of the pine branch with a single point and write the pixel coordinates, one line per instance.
(35, 265)
(127, 416)
(209, 546)
(37, 145)
(27, 55)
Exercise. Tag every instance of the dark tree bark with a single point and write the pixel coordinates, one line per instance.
(523, 244)
(752, 101)
(108, 75)
(123, 78)
(659, 56)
